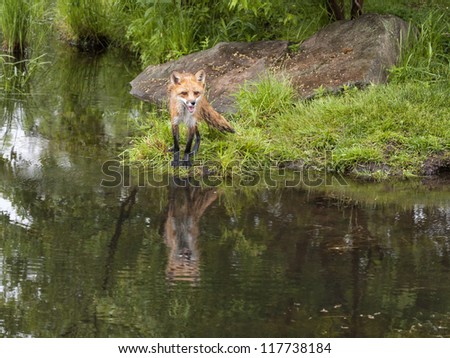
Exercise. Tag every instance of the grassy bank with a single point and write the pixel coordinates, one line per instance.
(378, 132)
(400, 129)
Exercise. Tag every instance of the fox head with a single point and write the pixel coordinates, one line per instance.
(187, 88)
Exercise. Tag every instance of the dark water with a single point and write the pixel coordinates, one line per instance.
(78, 259)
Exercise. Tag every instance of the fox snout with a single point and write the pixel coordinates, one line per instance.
(190, 105)
(187, 89)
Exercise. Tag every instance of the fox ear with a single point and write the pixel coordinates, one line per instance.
(175, 78)
(201, 76)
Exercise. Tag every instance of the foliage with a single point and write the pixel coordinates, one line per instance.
(160, 30)
(258, 102)
(386, 128)
(21, 25)
(166, 30)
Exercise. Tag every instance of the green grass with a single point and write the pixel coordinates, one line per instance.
(428, 59)
(23, 27)
(161, 30)
(164, 31)
(95, 24)
(84, 22)
(390, 128)
(15, 19)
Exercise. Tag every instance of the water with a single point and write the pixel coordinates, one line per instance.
(78, 259)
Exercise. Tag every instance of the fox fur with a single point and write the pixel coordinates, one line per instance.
(188, 105)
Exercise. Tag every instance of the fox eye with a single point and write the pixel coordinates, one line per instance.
(184, 93)
(196, 93)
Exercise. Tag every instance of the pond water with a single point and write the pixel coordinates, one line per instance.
(79, 258)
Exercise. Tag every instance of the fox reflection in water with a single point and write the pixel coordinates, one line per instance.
(187, 204)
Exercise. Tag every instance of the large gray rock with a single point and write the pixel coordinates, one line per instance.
(356, 52)
(227, 66)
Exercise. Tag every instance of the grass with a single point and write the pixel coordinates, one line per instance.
(94, 24)
(428, 59)
(84, 22)
(390, 128)
(15, 18)
(164, 31)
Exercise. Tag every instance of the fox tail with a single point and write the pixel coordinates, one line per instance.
(215, 119)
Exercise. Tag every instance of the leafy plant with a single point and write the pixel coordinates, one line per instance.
(95, 24)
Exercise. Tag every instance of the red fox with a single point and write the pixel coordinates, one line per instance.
(188, 105)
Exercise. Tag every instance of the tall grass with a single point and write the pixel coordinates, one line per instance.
(16, 17)
(428, 58)
(84, 22)
(259, 102)
(161, 30)
(19, 21)
(95, 24)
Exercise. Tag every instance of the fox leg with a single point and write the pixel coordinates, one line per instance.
(187, 152)
(197, 141)
(176, 145)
